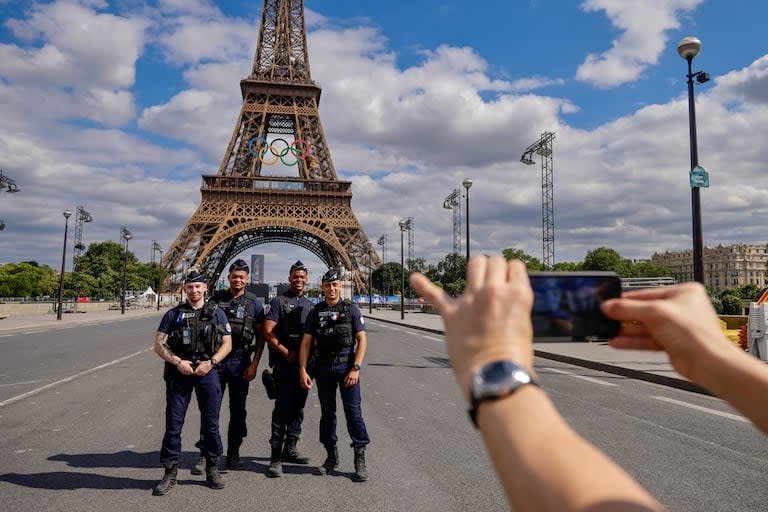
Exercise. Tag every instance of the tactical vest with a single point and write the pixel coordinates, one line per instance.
(194, 335)
(334, 328)
(290, 327)
(239, 317)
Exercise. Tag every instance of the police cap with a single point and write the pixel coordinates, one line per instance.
(239, 266)
(298, 266)
(331, 275)
(194, 276)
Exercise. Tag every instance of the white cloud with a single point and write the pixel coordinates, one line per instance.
(644, 27)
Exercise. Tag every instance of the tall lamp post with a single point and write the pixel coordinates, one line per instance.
(370, 278)
(125, 235)
(467, 183)
(688, 48)
(156, 247)
(67, 214)
(403, 227)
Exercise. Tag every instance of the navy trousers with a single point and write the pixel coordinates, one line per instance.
(329, 377)
(178, 393)
(288, 414)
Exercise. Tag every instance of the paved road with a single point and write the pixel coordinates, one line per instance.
(90, 440)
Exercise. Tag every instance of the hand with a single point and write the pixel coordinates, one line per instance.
(203, 367)
(351, 378)
(250, 372)
(490, 321)
(304, 379)
(677, 319)
(185, 367)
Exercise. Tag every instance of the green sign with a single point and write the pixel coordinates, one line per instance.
(699, 177)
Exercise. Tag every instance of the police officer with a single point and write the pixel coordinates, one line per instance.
(245, 315)
(192, 338)
(336, 330)
(283, 328)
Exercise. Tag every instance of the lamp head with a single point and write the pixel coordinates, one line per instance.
(67, 213)
(689, 47)
(402, 224)
(467, 183)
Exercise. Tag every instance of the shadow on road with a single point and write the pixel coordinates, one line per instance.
(62, 480)
(124, 459)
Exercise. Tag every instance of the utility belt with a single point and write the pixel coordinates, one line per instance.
(330, 358)
(171, 372)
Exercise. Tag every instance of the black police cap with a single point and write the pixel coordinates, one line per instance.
(193, 276)
(331, 275)
(239, 266)
(298, 266)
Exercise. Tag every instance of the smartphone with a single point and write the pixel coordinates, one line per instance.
(566, 305)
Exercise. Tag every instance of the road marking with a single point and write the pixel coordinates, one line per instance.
(19, 383)
(728, 415)
(34, 332)
(582, 377)
(71, 378)
(432, 338)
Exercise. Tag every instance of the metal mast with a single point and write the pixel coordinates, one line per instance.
(409, 224)
(543, 148)
(452, 202)
(81, 217)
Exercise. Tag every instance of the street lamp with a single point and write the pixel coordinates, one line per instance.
(67, 214)
(156, 247)
(125, 235)
(688, 48)
(370, 275)
(467, 183)
(403, 226)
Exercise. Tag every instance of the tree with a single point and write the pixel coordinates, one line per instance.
(648, 269)
(386, 278)
(567, 266)
(27, 279)
(731, 303)
(451, 273)
(604, 258)
(531, 263)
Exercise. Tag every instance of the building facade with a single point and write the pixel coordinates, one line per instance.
(724, 267)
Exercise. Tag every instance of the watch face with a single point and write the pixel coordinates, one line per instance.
(499, 377)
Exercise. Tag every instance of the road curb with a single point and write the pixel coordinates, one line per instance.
(662, 380)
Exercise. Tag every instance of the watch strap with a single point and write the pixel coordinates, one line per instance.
(517, 379)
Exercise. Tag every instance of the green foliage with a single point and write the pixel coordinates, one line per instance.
(604, 258)
(387, 278)
(531, 263)
(27, 279)
(567, 266)
(731, 303)
(750, 292)
(648, 269)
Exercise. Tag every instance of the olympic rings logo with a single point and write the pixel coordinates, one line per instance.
(299, 149)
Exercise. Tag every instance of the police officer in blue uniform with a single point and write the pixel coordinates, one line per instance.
(335, 329)
(245, 315)
(192, 338)
(283, 328)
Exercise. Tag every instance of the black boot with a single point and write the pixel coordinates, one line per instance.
(212, 476)
(233, 459)
(331, 461)
(199, 467)
(291, 453)
(361, 472)
(168, 481)
(275, 466)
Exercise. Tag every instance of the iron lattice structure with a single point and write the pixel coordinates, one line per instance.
(81, 217)
(452, 203)
(410, 242)
(240, 206)
(543, 148)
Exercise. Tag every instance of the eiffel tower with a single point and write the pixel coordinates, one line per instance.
(279, 124)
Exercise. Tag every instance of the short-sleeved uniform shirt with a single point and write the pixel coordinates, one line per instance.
(298, 305)
(358, 322)
(255, 309)
(168, 323)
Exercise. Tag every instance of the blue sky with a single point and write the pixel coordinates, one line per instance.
(121, 106)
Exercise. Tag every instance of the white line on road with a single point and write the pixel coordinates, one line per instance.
(34, 332)
(432, 338)
(728, 415)
(19, 383)
(68, 379)
(582, 377)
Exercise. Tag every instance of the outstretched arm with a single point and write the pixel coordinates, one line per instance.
(542, 463)
(681, 321)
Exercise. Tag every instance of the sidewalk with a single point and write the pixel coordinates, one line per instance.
(635, 364)
(44, 321)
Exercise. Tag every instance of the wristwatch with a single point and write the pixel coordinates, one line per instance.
(356, 367)
(496, 380)
(214, 363)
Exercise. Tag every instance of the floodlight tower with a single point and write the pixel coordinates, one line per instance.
(6, 182)
(409, 224)
(81, 217)
(543, 148)
(383, 243)
(452, 202)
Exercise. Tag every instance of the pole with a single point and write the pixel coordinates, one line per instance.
(402, 273)
(122, 293)
(66, 214)
(698, 239)
(467, 225)
(370, 293)
(159, 280)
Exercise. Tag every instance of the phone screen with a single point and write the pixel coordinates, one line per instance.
(566, 305)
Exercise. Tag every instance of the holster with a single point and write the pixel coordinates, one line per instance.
(270, 385)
